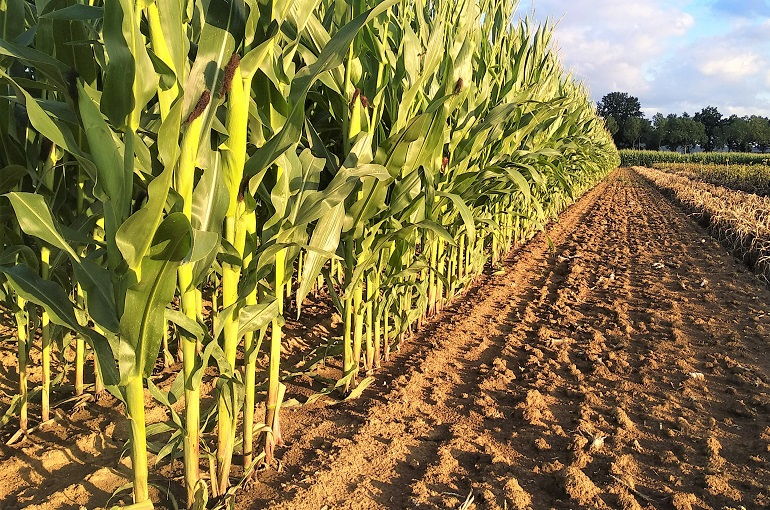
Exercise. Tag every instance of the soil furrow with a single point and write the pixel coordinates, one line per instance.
(623, 369)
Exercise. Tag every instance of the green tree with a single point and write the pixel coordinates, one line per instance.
(719, 139)
(634, 130)
(621, 106)
(683, 131)
(737, 134)
(693, 133)
(759, 131)
(657, 131)
(711, 120)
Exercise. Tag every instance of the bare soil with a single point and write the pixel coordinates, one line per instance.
(626, 368)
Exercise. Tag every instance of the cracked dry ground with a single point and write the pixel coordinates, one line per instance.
(626, 369)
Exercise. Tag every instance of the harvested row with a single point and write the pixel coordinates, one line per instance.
(753, 179)
(176, 187)
(741, 220)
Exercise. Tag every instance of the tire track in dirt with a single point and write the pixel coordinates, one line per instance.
(625, 369)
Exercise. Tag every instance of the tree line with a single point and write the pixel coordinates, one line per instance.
(707, 128)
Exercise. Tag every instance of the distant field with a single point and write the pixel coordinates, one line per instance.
(749, 178)
(649, 158)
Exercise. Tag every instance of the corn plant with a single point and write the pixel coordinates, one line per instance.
(177, 169)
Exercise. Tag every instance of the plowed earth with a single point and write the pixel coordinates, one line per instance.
(625, 368)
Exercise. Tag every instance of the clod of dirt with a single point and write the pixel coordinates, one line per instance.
(626, 500)
(590, 398)
(713, 446)
(682, 501)
(541, 444)
(669, 457)
(623, 420)
(626, 469)
(581, 458)
(534, 409)
(578, 443)
(579, 487)
(488, 498)
(519, 498)
(601, 370)
(684, 426)
(549, 467)
(762, 500)
(718, 485)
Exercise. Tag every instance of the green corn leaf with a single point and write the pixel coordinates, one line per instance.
(135, 235)
(326, 237)
(168, 136)
(130, 80)
(205, 246)
(35, 219)
(21, 254)
(78, 12)
(209, 207)
(256, 317)
(143, 322)
(465, 213)
(405, 191)
(100, 297)
(57, 132)
(106, 153)
(331, 56)
(46, 293)
(189, 325)
(61, 311)
(48, 66)
(360, 387)
(174, 27)
(343, 183)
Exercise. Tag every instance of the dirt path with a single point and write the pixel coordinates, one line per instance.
(626, 369)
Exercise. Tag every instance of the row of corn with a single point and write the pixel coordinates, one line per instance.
(173, 170)
(649, 158)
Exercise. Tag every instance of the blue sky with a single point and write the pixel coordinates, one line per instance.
(674, 55)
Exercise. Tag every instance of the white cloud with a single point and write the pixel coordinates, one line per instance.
(732, 67)
(675, 55)
(613, 42)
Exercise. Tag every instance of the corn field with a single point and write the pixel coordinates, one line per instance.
(649, 158)
(174, 171)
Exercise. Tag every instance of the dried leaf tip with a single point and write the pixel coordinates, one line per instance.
(356, 93)
(458, 85)
(203, 102)
(230, 68)
(444, 162)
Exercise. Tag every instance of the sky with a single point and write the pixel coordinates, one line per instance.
(674, 55)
